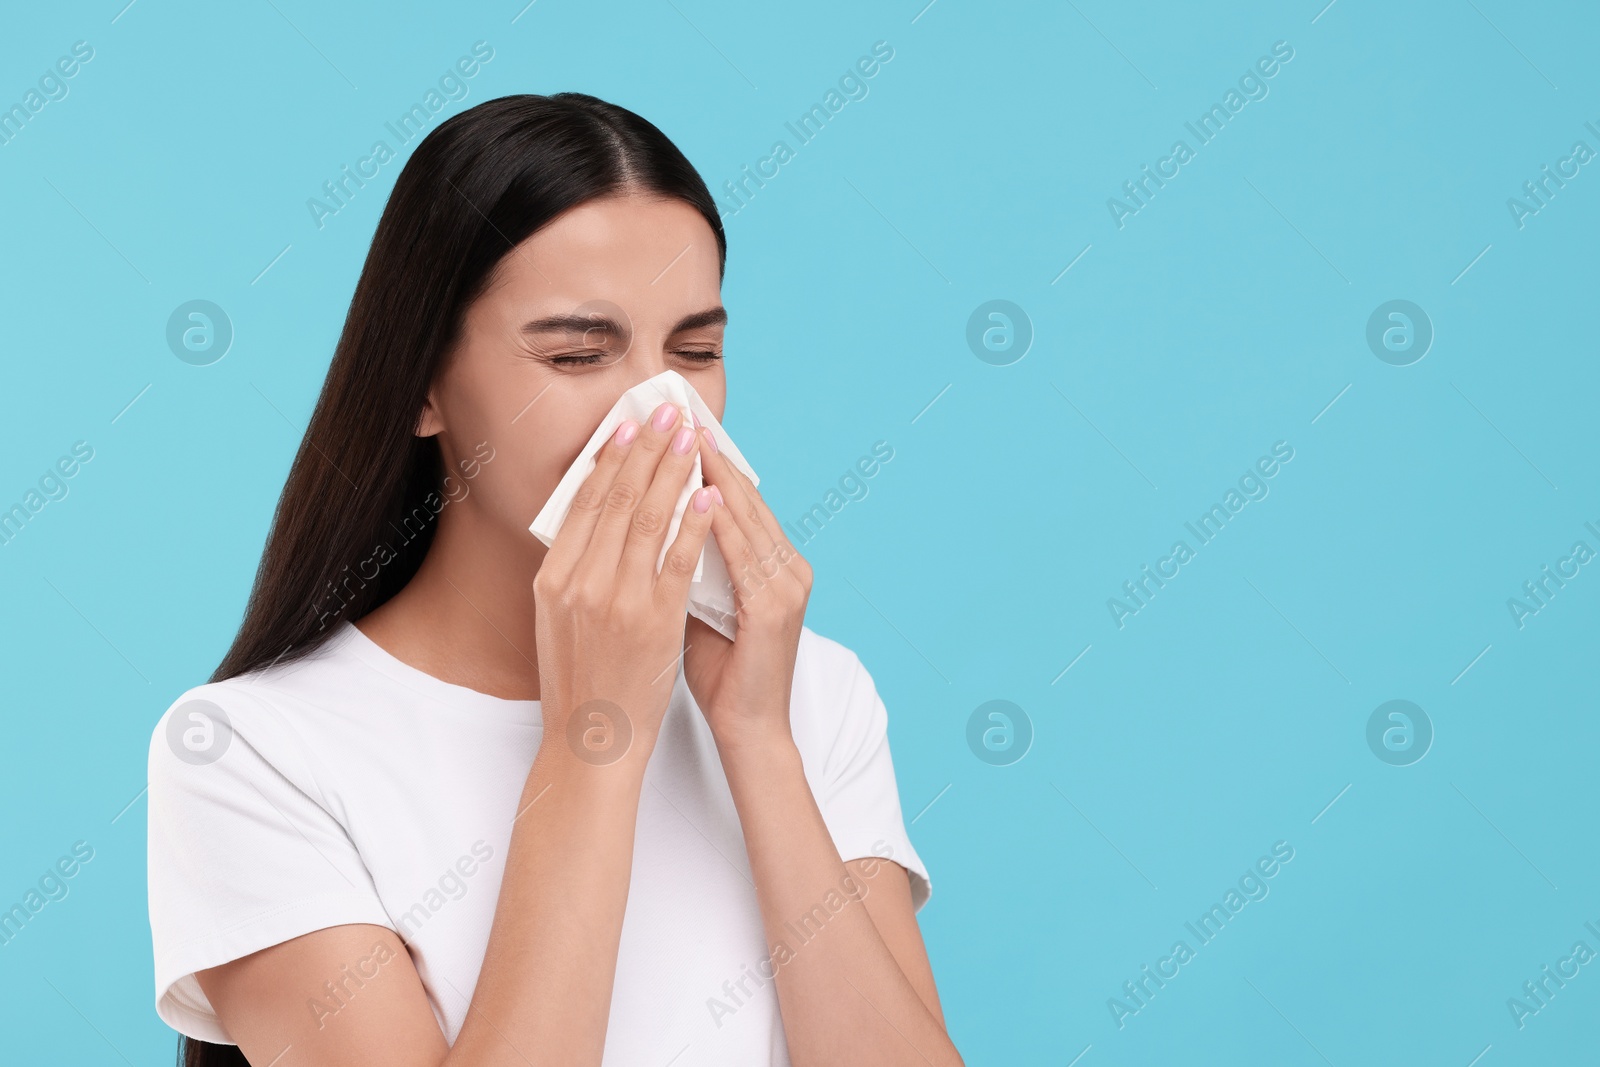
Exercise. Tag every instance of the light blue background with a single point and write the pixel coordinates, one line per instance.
(1223, 317)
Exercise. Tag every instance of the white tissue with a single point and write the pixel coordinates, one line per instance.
(711, 595)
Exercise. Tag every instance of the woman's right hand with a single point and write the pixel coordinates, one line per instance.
(609, 628)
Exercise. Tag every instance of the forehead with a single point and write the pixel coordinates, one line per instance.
(639, 251)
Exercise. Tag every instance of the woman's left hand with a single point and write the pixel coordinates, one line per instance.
(743, 686)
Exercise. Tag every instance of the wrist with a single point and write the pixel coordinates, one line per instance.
(592, 760)
(759, 746)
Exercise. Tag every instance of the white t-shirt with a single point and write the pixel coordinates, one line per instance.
(350, 787)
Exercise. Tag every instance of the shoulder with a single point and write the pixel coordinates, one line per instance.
(827, 675)
(841, 726)
(201, 720)
(835, 707)
(825, 657)
(219, 733)
(267, 720)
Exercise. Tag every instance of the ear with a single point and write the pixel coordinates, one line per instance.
(429, 422)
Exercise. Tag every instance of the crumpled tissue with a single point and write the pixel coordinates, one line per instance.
(711, 593)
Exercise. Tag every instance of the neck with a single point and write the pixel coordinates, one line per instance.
(467, 615)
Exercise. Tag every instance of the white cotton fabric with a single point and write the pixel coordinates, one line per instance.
(711, 594)
(354, 788)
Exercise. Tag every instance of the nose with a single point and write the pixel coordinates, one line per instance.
(646, 358)
(640, 365)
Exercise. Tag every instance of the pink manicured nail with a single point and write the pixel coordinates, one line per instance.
(626, 432)
(718, 493)
(683, 441)
(701, 501)
(710, 438)
(663, 416)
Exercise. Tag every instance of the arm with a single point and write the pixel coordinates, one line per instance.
(545, 987)
(845, 994)
(888, 900)
(607, 625)
(859, 989)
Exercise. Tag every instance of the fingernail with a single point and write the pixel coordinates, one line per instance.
(701, 501)
(718, 493)
(710, 438)
(683, 441)
(663, 416)
(627, 431)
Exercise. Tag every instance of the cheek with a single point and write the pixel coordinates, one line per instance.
(521, 478)
(713, 389)
(531, 456)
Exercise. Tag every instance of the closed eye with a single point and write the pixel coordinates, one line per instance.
(590, 359)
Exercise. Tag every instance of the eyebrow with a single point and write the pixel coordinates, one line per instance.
(716, 316)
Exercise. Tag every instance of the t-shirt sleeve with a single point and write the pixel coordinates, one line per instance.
(860, 799)
(242, 854)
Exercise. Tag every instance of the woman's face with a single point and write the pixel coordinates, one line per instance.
(610, 293)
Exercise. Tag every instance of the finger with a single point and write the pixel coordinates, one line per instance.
(749, 510)
(746, 568)
(572, 540)
(652, 519)
(677, 569)
(772, 551)
(627, 491)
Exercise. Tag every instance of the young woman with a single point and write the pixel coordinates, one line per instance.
(453, 797)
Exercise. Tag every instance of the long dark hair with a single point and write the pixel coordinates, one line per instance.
(477, 185)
